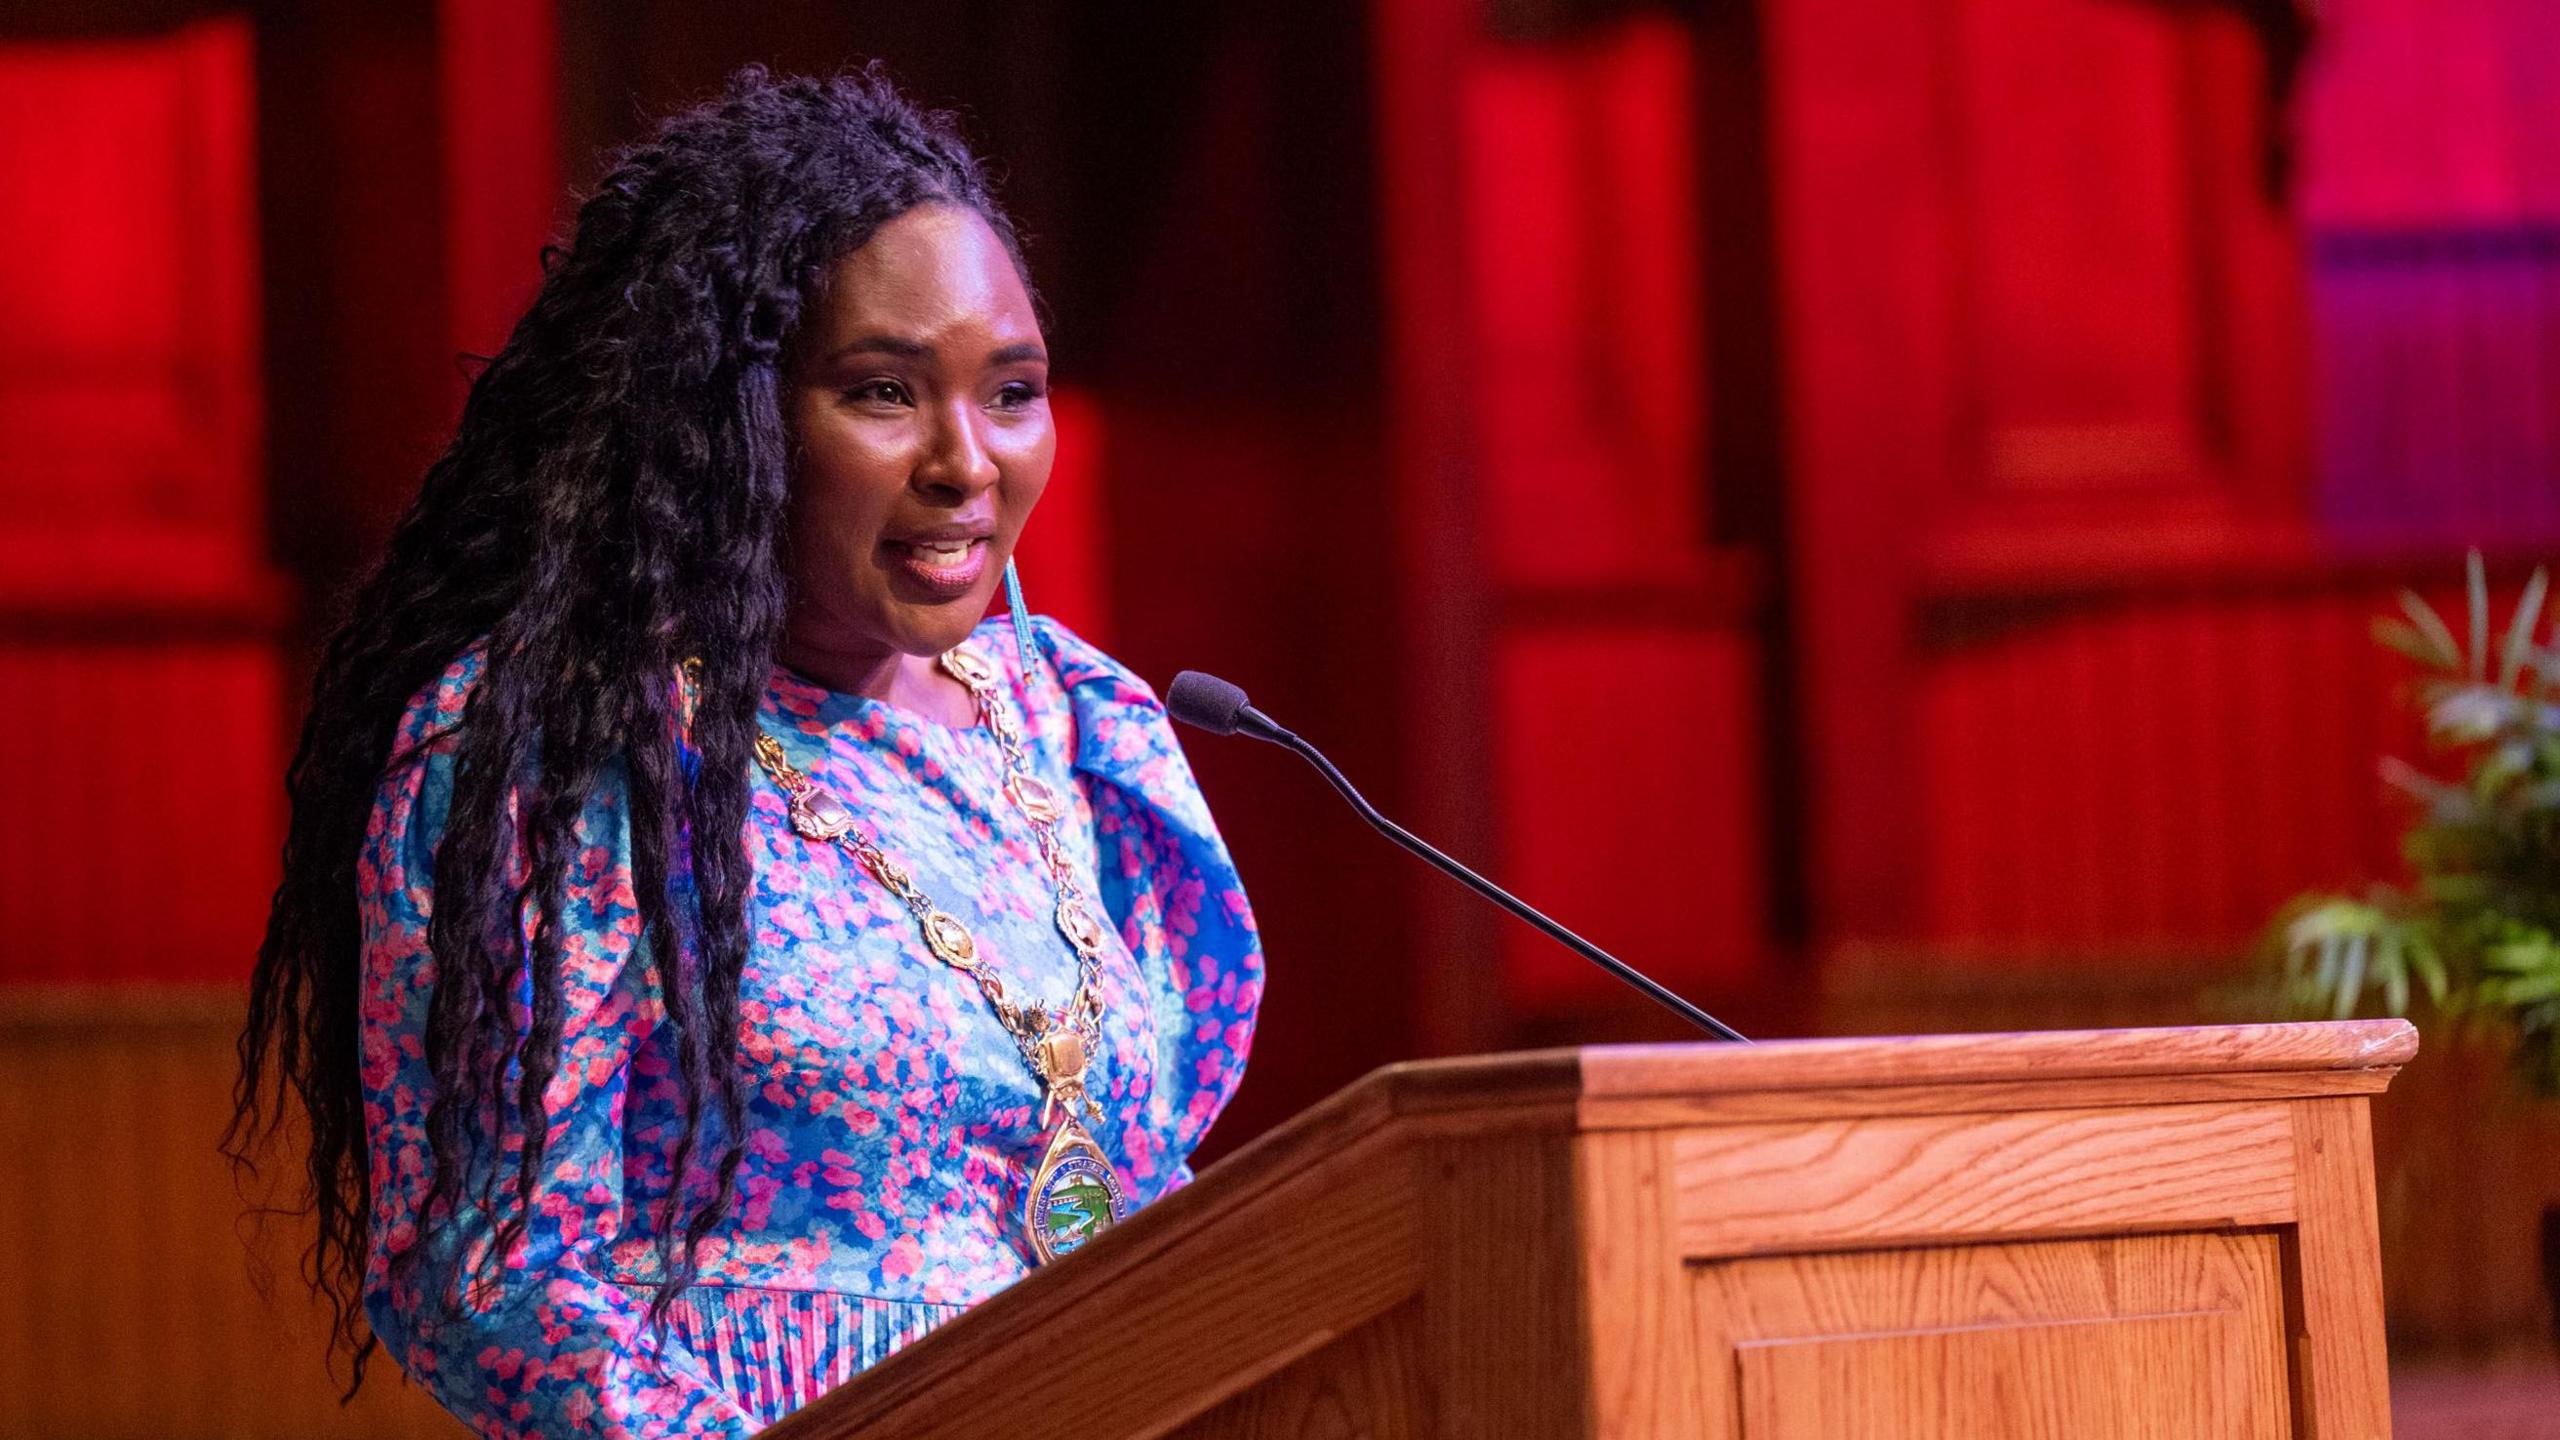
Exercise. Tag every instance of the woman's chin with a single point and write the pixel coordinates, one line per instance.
(931, 629)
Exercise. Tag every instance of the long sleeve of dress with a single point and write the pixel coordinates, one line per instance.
(1169, 884)
(554, 1346)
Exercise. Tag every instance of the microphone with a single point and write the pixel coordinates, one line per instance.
(1209, 703)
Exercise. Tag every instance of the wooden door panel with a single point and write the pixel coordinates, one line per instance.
(2042, 309)
(128, 358)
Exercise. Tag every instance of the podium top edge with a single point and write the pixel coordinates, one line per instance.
(1618, 1072)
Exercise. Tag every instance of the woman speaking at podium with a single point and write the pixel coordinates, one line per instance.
(709, 952)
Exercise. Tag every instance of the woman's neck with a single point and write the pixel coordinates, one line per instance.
(910, 682)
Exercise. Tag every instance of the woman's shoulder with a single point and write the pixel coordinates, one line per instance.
(1101, 715)
(1082, 671)
(1074, 690)
(435, 712)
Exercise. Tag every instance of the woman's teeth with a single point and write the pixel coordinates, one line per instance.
(943, 554)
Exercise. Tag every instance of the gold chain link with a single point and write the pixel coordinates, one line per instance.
(1083, 1011)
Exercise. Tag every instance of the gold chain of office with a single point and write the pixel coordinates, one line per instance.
(1074, 1193)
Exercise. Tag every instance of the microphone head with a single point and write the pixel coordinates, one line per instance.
(1205, 701)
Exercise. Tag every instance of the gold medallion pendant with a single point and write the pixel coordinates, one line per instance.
(1074, 1194)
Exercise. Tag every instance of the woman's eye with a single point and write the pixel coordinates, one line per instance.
(879, 392)
(1016, 394)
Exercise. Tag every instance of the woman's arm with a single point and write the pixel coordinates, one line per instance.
(549, 1345)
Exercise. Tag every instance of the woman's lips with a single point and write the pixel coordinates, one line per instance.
(937, 569)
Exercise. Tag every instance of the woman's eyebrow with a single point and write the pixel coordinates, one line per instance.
(906, 349)
(897, 345)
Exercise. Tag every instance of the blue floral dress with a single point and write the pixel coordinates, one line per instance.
(891, 1120)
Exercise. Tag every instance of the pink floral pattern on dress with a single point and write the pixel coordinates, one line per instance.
(891, 1119)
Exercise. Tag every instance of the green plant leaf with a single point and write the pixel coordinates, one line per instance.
(2500, 766)
(2426, 789)
(2471, 936)
(2429, 964)
(2521, 990)
(2511, 656)
(2328, 916)
(2475, 574)
(2350, 985)
(2392, 633)
(2439, 636)
(2469, 714)
(2524, 950)
(2390, 958)
(2455, 892)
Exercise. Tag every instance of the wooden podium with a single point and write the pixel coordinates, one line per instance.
(2133, 1233)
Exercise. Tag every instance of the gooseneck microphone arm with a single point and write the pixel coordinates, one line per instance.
(1220, 708)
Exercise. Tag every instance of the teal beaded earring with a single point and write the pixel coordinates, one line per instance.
(1021, 614)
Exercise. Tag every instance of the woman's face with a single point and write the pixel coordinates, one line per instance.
(917, 398)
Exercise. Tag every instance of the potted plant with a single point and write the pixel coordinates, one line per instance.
(2474, 940)
(2478, 933)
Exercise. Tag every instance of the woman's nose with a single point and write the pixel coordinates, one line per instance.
(957, 460)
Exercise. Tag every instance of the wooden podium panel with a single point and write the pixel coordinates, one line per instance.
(2109, 1235)
(2156, 1336)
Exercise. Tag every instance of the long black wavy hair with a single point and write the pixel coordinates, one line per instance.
(610, 506)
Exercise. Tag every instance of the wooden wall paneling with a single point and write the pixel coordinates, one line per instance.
(2254, 297)
(2148, 771)
(2160, 769)
(1632, 794)
(2439, 366)
(2431, 188)
(2081, 350)
(1624, 679)
(130, 1281)
(129, 427)
(144, 816)
(361, 378)
(139, 685)
(1864, 232)
(2432, 109)
(1065, 558)
(2464, 1168)
(1582, 252)
(1418, 51)
(1222, 496)
(2128, 370)
(498, 78)
(2040, 319)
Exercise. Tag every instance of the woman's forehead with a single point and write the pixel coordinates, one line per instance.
(935, 269)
